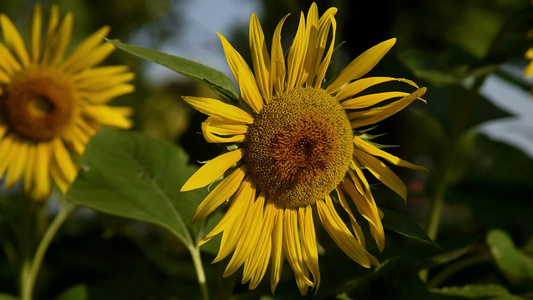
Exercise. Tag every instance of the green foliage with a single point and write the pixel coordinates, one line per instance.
(511, 260)
(405, 226)
(478, 291)
(219, 82)
(131, 175)
(78, 292)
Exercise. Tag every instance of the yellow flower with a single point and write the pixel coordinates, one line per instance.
(50, 103)
(296, 143)
(529, 69)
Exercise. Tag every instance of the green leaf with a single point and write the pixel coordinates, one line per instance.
(510, 259)
(7, 297)
(429, 69)
(219, 82)
(477, 291)
(135, 176)
(405, 226)
(77, 292)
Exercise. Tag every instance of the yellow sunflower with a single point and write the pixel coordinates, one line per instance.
(50, 103)
(296, 148)
(529, 69)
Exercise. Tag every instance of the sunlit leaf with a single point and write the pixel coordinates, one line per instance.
(510, 259)
(7, 297)
(134, 176)
(219, 82)
(77, 292)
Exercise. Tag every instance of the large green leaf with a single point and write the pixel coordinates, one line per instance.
(510, 259)
(405, 226)
(219, 82)
(77, 292)
(135, 176)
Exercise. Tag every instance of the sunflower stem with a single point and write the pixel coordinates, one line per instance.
(30, 270)
(197, 260)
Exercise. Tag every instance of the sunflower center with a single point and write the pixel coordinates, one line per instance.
(299, 147)
(38, 103)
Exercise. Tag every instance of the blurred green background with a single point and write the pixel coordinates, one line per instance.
(441, 44)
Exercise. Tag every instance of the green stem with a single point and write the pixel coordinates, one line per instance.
(450, 270)
(29, 277)
(197, 260)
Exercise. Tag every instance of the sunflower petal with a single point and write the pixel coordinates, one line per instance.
(244, 76)
(374, 115)
(293, 251)
(340, 234)
(373, 150)
(361, 65)
(35, 32)
(86, 47)
(109, 115)
(223, 132)
(278, 70)
(355, 225)
(212, 170)
(221, 193)
(296, 58)
(325, 22)
(63, 39)
(14, 40)
(371, 100)
(309, 247)
(28, 177)
(276, 257)
(219, 109)
(18, 162)
(362, 84)
(42, 172)
(381, 172)
(260, 58)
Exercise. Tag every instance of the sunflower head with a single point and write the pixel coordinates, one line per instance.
(52, 102)
(295, 144)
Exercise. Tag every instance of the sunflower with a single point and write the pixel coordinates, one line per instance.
(52, 104)
(297, 148)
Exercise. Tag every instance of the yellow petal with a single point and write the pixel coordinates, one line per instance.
(221, 193)
(93, 58)
(340, 234)
(325, 22)
(219, 109)
(18, 162)
(3, 130)
(42, 172)
(373, 150)
(63, 39)
(58, 177)
(296, 75)
(313, 56)
(236, 210)
(28, 178)
(6, 146)
(91, 76)
(51, 39)
(371, 100)
(361, 65)
(355, 225)
(13, 39)
(244, 76)
(293, 251)
(309, 247)
(260, 58)
(211, 135)
(212, 170)
(64, 161)
(374, 115)
(7, 61)
(362, 84)
(246, 196)
(35, 32)
(381, 172)
(108, 94)
(85, 48)
(257, 263)
(248, 240)
(109, 115)
(277, 69)
(276, 257)
(105, 82)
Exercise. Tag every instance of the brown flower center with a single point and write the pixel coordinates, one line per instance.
(299, 147)
(38, 103)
